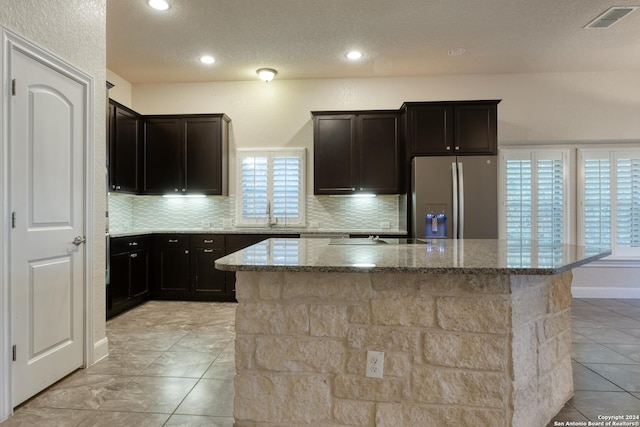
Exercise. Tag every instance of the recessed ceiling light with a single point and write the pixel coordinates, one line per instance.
(354, 55)
(206, 59)
(158, 4)
(457, 51)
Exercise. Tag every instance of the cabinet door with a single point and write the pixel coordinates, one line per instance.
(475, 129)
(124, 156)
(334, 156)
(139, 273)
(204, 155)
(430, 129)
(163, 156)
(379, 157)
(173, 265)
(207, 281)
(171, 279)
(120, 283)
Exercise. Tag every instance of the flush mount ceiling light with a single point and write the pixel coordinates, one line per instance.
(610, 16)
(158, 4)
(354, 55)
(266, 74)
(206, 59)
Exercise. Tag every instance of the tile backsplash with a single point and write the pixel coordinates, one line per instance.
(128, 212)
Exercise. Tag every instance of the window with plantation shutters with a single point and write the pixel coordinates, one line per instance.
(535, 195)
(270, 188)
(609, 200)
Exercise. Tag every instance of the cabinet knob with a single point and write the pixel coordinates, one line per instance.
(448, 148)
(457, 148)
(184, 189)
(176, 190)
(186, 251)
(134, 255)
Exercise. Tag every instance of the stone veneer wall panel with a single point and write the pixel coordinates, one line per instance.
(450, 355)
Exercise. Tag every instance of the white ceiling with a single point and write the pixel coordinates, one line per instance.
(307, 39)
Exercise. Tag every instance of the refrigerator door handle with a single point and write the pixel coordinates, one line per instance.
(454, 189)
(461, 200)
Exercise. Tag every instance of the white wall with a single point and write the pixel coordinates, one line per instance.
(549, 108)
(75, 31)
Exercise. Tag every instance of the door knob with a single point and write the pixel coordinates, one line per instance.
(79, 240)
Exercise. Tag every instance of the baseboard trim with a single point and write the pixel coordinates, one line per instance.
(589, 292)
(100, 351)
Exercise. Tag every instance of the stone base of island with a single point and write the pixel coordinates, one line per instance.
(484, 344)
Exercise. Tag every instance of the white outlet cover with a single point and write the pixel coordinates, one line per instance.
(375, 364)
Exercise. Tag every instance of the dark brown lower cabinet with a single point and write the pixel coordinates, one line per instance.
(178, 267)
(129, 278)
(171, 262)
(208, 283)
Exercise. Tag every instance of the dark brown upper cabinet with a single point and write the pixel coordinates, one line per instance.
(124, 136)
(186, 154)
(356, 152)
(451, 128)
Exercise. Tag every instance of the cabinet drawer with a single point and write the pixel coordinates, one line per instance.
(121, 245)
(172, 241)
(215, 241)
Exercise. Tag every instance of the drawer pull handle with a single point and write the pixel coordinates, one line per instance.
(173, 240)
(133, 243)
(208, 251)
(134, 255)
(208, 241)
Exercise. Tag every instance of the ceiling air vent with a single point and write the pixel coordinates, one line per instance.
(611, 16)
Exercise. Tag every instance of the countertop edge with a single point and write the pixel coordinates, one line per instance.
(266, 232)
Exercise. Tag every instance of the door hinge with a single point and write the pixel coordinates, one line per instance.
(13, 87)
(13, 220)
(14, 351)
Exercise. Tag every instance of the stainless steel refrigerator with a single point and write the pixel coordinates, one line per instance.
(454, 197)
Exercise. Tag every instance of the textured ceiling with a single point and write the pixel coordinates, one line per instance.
(307, 39)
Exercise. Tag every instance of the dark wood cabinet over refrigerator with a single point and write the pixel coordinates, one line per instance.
(186, 154)
(356, 152)
(451, 128)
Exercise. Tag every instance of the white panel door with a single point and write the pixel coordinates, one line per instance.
(47, 198)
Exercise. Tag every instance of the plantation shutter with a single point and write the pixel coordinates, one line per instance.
(535, 195)
(271, 189)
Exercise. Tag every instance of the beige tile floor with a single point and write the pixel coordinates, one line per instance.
(172, 364)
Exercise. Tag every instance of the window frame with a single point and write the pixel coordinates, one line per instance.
(270, 220)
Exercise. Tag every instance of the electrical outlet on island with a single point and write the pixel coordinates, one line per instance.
(375, 364)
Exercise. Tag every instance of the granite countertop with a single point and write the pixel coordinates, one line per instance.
(436, 256)
(266, 231)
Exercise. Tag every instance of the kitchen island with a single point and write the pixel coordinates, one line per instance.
(474, 332)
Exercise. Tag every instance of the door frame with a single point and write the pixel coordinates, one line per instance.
(10, 42)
